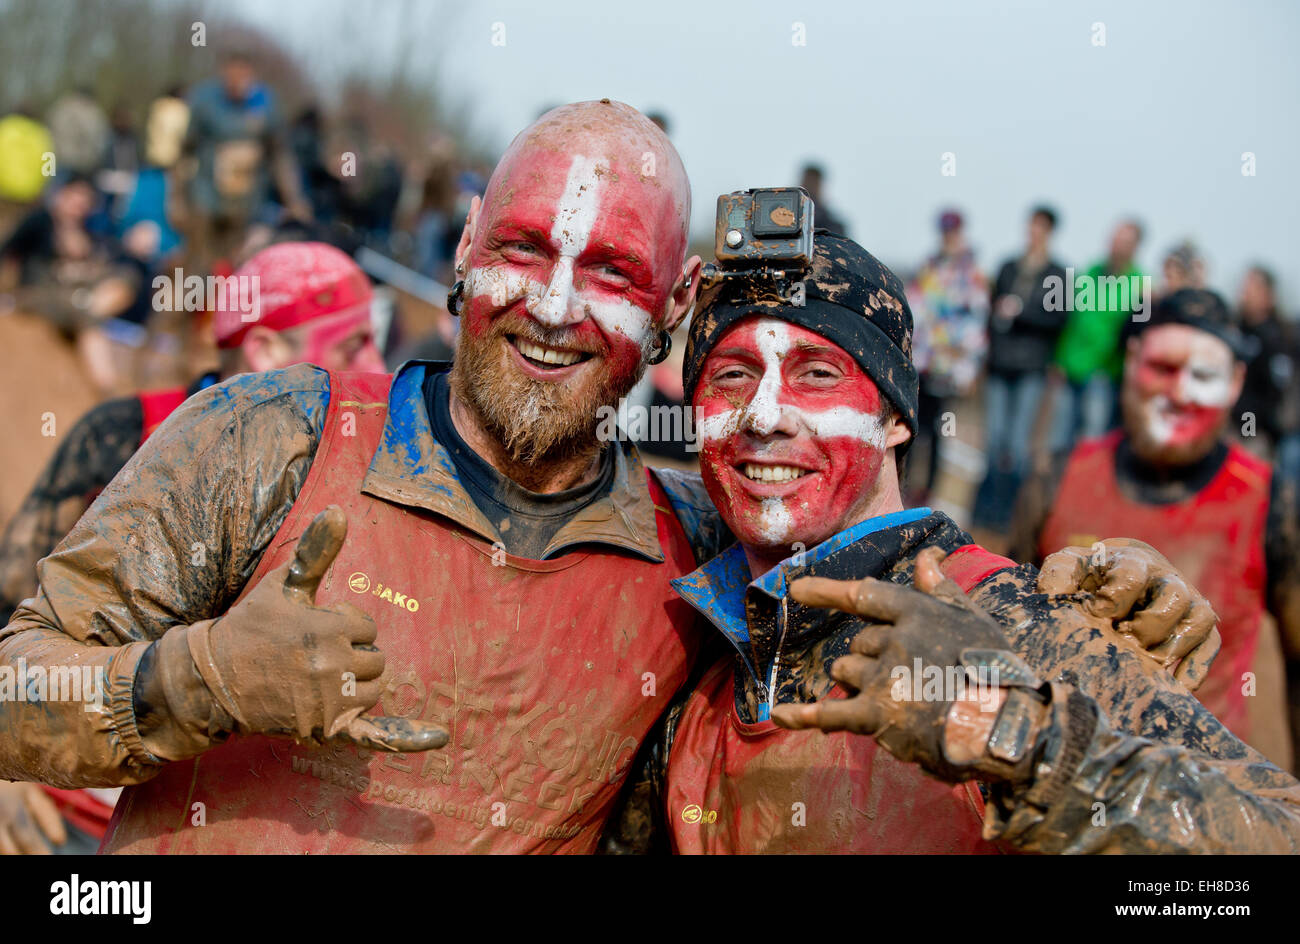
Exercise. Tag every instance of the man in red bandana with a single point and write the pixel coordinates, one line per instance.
(314, 306)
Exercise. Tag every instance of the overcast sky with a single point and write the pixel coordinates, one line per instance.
(1153, 123)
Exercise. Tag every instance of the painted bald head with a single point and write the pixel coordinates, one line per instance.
(573, 264)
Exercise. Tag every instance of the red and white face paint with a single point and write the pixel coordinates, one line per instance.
(571, 261)
(1178, 391)
(342, 341)
(587, 251)
(793, 435)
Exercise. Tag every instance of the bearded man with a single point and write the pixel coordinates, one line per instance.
(1171, 478)
(804, 409)
(512, 569)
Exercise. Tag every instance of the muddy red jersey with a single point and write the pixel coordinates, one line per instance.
(1215, 538)
(547, 673)
(751, 787)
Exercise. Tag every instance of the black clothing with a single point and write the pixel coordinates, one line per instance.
(1271, 392)
(1026, 343)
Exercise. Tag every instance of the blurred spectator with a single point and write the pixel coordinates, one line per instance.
(320, 187)
(950, 301)
(823, 216)
(165, 127)
(371, 182)
(79, 281)
(239, 141)
(123, 151)
(24, 142)
(436, 227)
(121, 162)
(1184, 267)
(1023, 333)
(1088, 353)
(153, 197)
(1271, 393)
(80, 130)
(53, 243)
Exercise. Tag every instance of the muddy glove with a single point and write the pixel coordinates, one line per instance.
(28, 818)
(985, 727)
(1152, 607)
(278, 664)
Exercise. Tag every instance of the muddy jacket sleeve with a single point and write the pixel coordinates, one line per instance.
(1099, 790)
(171, 541)
(1167, 774)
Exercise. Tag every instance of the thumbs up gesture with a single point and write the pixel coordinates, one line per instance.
(277, 663)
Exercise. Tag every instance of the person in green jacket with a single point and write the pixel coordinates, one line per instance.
(1088, 353)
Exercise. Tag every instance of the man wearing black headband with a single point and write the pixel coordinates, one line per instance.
(1170, 477)
(803, 411)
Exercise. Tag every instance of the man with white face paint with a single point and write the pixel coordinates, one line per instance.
(503, 586)
(804, 409)
(1172, 478)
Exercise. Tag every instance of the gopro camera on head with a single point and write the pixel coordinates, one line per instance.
(765, 233)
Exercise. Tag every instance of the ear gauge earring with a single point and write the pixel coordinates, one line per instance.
(660, 353)
(455, 297)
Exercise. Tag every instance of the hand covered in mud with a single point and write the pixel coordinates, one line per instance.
(1143, 594)
(935, 624)
(29, 820)
(277, 663)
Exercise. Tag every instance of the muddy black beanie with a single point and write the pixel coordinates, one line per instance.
(850, 298)
(1201, 309)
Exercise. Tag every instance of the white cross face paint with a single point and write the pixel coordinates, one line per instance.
(765, 411)
(1206, 382)
(1159, 413)
(574, 219)
(502, 287)
(557, 303)
(793, 434)
(775, 521)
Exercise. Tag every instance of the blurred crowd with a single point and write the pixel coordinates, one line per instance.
(1044, 370)
(96, 202)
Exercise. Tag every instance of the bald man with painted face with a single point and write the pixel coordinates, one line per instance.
(503, 588)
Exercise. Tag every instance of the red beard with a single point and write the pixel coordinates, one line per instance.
(539, 421)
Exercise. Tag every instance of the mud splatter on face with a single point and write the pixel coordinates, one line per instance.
(792, 433)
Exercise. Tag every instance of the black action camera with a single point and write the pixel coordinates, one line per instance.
(766, 233)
